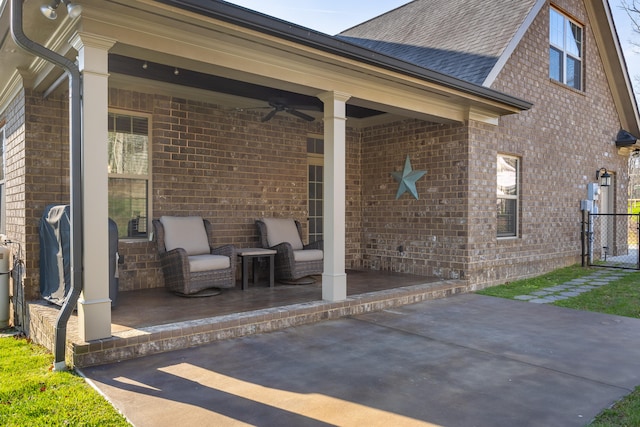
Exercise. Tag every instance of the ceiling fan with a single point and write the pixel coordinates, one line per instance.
(279, 104)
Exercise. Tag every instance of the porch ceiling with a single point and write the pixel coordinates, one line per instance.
(165, 73)
(16, 65)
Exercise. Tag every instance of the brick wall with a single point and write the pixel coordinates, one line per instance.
(228, 166)
(45, 162)
(13, 119)
(562, 141)
(36, 166)
(431, 230)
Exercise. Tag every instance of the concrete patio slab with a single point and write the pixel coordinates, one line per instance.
(467, 360)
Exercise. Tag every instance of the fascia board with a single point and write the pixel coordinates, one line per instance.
(226, 46)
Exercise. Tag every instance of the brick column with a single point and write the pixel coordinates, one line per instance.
(94, 305)
(334, 278)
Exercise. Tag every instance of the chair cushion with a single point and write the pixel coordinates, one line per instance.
(307, 255)
(282, 230)
(186, 232)
(208, 262)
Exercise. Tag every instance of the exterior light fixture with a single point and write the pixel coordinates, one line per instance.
(604, 177)
(625, 139)
(50, 10)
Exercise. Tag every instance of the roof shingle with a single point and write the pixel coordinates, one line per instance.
(460, 38)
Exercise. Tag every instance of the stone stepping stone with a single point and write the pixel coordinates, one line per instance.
(570, 294)
(559, 288)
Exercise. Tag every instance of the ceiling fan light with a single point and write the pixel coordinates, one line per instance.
(49, 11)
(74, 10)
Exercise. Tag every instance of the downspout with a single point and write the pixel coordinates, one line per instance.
(75, 159)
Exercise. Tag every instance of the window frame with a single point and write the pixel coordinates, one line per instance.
(515, 197)
(315, 159)
(3, 181)
(564, 49)
(148, 177)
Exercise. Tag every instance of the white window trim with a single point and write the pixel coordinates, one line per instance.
(314, 159)
(149, 174)
(3, 183)
(515, 197)
(565, 53)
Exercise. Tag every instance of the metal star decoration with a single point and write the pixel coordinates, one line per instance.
(407, 179)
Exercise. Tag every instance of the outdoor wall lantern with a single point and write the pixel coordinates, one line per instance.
(604, 177)
(49, 10)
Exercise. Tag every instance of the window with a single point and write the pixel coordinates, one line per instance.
(508, 183)
(129, 174)
(565, 53)
(315, 159)
(3, 187)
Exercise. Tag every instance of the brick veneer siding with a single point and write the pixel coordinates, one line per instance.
(14, 131)
(433, 229)
(36, 165)
(45, 174)
(562, 140)
(228, 166)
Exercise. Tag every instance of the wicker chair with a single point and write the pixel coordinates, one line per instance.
(189, 261)
(293, 259)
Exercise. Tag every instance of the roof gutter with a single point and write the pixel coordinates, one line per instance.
(75, 136)
(288, 31)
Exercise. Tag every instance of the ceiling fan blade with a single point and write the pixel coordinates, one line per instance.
(297, 113)
(269, 116)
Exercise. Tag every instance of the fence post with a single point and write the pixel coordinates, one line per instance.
(638, 239)
(583, 236)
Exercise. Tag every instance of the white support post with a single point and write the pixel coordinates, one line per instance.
(94, 305)
(334, 278)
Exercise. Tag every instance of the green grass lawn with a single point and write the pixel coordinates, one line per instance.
(621, 298)
(31, 394)
(526, 286)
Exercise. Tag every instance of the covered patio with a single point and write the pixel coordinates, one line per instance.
(153, 320)
(150, 321)
(207, 82)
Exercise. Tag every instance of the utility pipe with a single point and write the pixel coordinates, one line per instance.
(75, 159)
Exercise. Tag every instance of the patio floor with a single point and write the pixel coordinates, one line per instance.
(154, 320)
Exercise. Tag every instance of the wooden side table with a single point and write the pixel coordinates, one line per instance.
(248, 254)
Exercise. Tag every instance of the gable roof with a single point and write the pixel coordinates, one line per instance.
(465, 39)
(450, 96)
(473, 39)
(250, 19)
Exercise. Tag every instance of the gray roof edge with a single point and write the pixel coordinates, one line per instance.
(237, 15)
(515, 40)
(621, 58)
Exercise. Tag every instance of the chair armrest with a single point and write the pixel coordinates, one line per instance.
(176, 260)
(284, 253)
(227, 250)
(283, 248)
(318, 244)
(177, 253)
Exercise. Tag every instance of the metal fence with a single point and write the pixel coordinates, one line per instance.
(611, 240)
